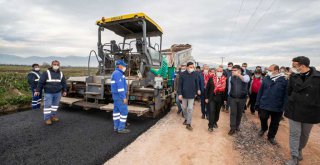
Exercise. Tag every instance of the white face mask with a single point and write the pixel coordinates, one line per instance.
(190, 70)
(123, 69)
(219, 74)
(205, 71)
(269, 73)
(182, 70)
(295, 70)
(55, 67)
(257, 75)
(229, 68)
(37, 69)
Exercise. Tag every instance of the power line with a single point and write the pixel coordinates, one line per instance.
(256, 9)
(266, 11)
(236, 23)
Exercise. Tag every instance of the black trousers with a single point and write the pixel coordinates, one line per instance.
(252, 101)
(237, 108)
(214, 107)
(274, 124)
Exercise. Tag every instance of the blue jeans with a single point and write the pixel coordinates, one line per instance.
(120, 114)
(51, 104)
(178, 103)
(36, 100)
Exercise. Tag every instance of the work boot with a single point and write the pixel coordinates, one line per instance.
(54, 119)
(124, 131)
(189, 127)
(127, 124)
(231, 132)
(261, 133)
(293, 161)
(48, 122)
(272, 141)
(300, 157)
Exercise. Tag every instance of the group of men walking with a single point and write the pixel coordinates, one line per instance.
(272, 92)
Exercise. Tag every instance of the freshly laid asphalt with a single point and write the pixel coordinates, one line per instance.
(80, 137)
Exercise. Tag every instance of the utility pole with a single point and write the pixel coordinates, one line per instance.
(222, 60)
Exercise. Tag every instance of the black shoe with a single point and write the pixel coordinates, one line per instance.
(210, 129)
(300, 157)
(189, 127)
(215, 125)
(231, 132)
(127, 124)
(261, 133)
(124, 131)
(237, 129)
(272, 141)
(185, 122)
(203, 117)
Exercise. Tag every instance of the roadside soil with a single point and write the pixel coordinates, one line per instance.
(169, 142)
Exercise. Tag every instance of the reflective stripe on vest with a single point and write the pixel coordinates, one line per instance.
(54, 80)
(35, 73)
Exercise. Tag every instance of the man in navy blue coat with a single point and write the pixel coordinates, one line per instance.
(270, 101)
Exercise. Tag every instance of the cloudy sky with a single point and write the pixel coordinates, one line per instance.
(259, 32)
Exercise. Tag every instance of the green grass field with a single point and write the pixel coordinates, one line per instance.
(14, 88)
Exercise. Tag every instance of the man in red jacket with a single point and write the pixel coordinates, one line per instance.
(255, 85)
(215, 97)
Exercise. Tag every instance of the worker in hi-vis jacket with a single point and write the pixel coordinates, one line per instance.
(33, 79)
(119, 91)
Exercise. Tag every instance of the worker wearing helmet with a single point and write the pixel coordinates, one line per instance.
(33, 79)
(119, 91)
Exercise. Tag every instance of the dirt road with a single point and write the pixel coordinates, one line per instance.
(169, 142)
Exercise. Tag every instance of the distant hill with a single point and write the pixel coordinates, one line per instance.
(65, 61)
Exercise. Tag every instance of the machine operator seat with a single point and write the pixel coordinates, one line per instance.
(114, 47)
